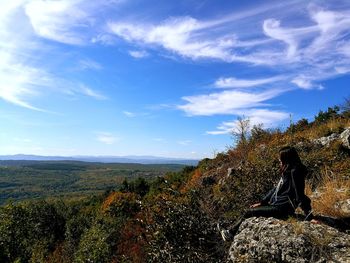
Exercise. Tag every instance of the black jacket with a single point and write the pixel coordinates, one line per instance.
(290, 192)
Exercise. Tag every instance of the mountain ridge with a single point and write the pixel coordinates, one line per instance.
(103, 159)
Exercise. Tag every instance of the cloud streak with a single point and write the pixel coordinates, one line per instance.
(25, 73)
(226, 102)
(138, 54)
(107, 138)
(58, 20)
(243, 83)
(256, 116)
(300, 50)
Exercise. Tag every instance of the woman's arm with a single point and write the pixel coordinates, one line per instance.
(267, 197)
(299, 186)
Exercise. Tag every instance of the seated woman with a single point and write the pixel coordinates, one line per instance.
(283, 199)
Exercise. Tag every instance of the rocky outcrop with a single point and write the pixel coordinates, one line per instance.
(344, 137)
(325, 141)
(270, 240)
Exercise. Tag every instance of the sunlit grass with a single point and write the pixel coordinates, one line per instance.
(329, 195)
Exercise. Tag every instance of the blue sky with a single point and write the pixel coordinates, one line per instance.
(165, 78)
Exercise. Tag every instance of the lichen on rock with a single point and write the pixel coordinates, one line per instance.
(271, 240)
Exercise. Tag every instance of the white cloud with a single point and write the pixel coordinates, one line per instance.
(266, 117)
(25, 73)
(86, 64)
(104, 39)
(58, 20)
(91, 93)
(138, 54)
(129, 114)
(307, 49)
(107, 138)
(226, 102)
(176, 35)
(342, 70)
(184, 142)
(19, 82)
(272, 29)
(302, 82)
(243, 83)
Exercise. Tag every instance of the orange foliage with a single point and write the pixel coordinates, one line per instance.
(193, 182)
(118, 199)
(132, 244)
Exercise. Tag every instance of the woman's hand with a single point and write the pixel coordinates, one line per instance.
(314, 221)
(255, 205)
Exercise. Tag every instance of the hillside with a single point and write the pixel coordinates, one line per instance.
(173, 218)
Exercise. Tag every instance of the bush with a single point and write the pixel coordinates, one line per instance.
(119, 204)
(301, 125)
(94, 246)
(183, 234)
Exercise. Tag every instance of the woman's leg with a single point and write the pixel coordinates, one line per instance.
(263, 211)
(268, 211)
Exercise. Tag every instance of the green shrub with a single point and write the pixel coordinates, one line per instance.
(94, 246)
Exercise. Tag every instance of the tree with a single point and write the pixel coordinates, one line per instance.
(301, 125)
(241, 131)
(324, 116)
(258, 132)
(345, 107)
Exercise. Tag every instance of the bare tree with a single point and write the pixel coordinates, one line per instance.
(241, 132)
(346, 105)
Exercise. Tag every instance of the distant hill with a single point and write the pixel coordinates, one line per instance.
(103, 159)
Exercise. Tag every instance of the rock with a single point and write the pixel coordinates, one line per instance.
(272, 240)
(325, 141)
(208, 180)
(230, 172)
(344, 206)
(345, 138)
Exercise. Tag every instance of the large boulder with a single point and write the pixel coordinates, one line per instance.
(271, 240)
(345, 138)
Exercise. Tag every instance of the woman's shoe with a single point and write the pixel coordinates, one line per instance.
(225, 233)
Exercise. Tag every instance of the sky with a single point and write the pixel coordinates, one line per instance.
(164, 78)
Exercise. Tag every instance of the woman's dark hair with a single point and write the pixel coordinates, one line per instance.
(289, 157)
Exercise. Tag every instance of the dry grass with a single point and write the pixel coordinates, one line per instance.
(336, 125)
(329, 194)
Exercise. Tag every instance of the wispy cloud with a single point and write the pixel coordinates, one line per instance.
(19, 82)
(25, 73)
(91, 93)
(304, 55)
(107, 138)
(87, 64)
(244, 83)
(174, 34)
(132, 114)
(184, 142)
(299, 50)
(226, 102)
(138, 53)
(59, 20)
(256, 116)
(129, 114)
(305, 82)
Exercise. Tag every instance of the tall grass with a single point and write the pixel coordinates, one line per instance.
(330, 193)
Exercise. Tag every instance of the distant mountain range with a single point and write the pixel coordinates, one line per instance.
(103, 159)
